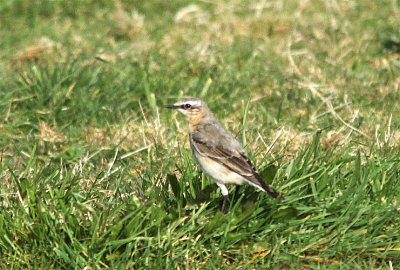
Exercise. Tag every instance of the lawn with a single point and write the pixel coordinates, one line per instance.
(96, 174)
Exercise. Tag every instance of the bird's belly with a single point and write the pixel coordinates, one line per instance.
(218, 172)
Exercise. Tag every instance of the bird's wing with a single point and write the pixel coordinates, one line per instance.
(219, 145)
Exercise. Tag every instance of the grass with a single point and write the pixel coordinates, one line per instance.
(95, 174)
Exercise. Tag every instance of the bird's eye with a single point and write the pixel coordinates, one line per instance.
(187, 106)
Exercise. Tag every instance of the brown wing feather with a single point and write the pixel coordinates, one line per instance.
(213, 141)
(227, 158)
(237, 162)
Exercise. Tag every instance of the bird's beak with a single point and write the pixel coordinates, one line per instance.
(171, 107)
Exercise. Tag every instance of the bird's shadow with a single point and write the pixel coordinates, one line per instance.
(242, 195)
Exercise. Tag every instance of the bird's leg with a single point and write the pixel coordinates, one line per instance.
(225, 204)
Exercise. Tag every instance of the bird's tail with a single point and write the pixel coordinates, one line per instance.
(270, 190)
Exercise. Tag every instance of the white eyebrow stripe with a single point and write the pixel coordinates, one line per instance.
(194, 103)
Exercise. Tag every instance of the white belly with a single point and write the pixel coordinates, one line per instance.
(218, 172)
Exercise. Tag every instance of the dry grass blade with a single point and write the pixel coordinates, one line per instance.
(313, 88)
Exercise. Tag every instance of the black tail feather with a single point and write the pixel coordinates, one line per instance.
(270, 190)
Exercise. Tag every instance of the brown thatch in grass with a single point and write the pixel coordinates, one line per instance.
(126, 24)
(36, 52)
(49, 134)
(127, 136)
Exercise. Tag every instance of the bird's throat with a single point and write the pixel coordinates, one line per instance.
(194, 121)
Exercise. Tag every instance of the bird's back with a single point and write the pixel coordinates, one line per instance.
(214, 135)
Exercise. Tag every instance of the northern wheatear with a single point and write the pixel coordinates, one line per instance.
(219, 154)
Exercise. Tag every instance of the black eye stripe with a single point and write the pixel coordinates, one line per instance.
(186, 106)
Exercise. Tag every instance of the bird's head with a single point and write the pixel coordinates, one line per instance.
(194, 109)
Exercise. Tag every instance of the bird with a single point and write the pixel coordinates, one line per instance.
(219, 154)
